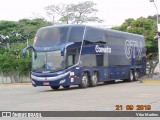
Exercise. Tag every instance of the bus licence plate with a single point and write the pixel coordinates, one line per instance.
(45, 83)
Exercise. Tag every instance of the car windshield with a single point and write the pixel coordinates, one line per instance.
(48, 61)
(56, 36)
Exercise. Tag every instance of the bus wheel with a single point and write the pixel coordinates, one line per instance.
(131, 76)
(94, 80)
(55, 87)
(85, 80)
(66, 87)
(136, 75)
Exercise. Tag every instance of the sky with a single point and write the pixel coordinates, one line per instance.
(113, 12)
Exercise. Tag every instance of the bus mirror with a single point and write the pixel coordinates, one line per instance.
(26, 49)
(62, 53)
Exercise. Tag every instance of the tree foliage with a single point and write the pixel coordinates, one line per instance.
(29, 27)
(26, 27)
(154, 18)
(73, 13)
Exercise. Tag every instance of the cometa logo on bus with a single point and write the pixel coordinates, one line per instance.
(102, 50)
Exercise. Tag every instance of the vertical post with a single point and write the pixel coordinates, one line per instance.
(158, 35)
(27, 42)
(157, 32)
(2, 77)
(27, 46)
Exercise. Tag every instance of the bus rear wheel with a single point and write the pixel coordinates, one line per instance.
(94, 80)
(55, 87)
(85, 81)
(131, 76)
(136, 75)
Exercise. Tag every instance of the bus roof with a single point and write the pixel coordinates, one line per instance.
(111, 31)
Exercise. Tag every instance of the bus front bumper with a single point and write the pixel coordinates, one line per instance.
(59, 80)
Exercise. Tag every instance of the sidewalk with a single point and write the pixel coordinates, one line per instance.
(155, 79)
(5, 84)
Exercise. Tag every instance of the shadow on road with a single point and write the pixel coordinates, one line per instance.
(75, 87)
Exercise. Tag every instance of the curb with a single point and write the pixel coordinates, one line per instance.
(150, 81)
(5, 84)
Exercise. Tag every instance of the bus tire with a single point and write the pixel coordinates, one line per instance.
(66, 87)
(55, 87)
(85, 81)
(94, 80)
(136, 75)
(131, 76)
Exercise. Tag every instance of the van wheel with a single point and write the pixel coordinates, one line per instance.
(55, 87)
(94, 80)
(131, 76)
(136, 75)
(85, 81)
(66, 87)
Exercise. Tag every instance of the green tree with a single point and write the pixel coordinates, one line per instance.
(25, 27)
(6, 30)
(73, 13)
(28, 28)
(7, 27)
(154, 18)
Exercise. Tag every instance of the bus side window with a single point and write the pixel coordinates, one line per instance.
(99, 60)
(72, 56)
(70, 60)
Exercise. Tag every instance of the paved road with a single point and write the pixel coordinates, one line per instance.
(104, 97)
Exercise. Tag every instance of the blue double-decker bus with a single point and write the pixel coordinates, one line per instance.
(82, 55)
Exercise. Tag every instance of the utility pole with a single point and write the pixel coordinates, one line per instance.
(158, 31)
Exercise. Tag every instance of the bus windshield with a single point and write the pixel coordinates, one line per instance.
(56, 36)
(51, 36)
(48, 61)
